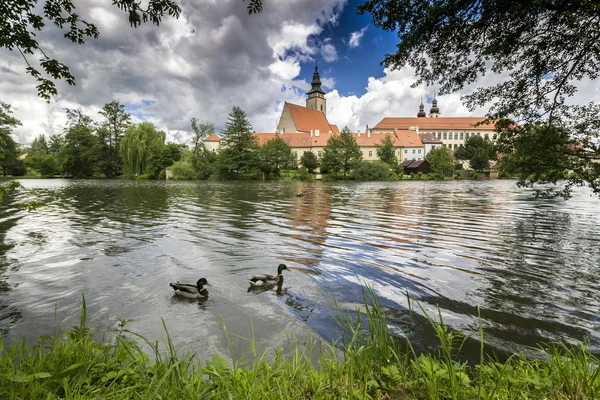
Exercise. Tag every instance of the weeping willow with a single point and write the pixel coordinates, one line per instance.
(136, 145)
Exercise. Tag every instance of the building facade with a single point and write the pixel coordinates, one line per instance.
(306, 128)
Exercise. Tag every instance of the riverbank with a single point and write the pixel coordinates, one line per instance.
(374, 365)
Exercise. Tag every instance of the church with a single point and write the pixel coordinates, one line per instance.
(306, 128)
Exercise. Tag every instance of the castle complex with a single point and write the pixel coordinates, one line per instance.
(307, 129)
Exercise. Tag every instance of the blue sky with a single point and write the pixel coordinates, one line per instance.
(354, 65)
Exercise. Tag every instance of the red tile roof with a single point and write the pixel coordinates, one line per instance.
(212, 138)
(307, 119)
(407, 138)
(334, 128)
(463, 123)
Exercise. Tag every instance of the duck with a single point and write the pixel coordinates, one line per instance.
(268, 280)
(191, 291)
(299, 194)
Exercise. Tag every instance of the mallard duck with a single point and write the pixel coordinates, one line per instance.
(299, 194)
(264, 280)
(191, 291)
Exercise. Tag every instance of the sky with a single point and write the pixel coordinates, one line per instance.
(215, 56)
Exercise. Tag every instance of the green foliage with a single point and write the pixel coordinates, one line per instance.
(478, 151)
(80, 152)
(140, 143)
(275, 155)
(441, 161)
(386, 151)
(371, 171)
(239, 148)
(162, 156)
(110, 134)
(341, 154)
(374, 365)
(9, 149)
(183, 170)
(543, 153)
(309, 161)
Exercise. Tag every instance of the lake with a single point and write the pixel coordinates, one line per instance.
(531, 266)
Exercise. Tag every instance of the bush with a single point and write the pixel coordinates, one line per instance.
(371, 171)
(303, 175)
(183, 170)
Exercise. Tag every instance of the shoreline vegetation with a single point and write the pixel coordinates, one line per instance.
(368, 362)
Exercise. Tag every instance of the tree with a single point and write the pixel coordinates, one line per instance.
(341, 153)
(39, 146)
(201, 132)
(137, 145)
(9, 149)
(40, 159)
(386, 151)
(544, 48)
(478, 151)
(309, 161)
(238, 153)
(161, 157)
(113, 129)
(21, 19)
(276, 154)
(441, 161)
(535, 153)
(80, 152)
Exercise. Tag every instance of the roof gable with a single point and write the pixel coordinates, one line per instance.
(307, 119)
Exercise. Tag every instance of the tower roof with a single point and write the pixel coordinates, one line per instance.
(316, 83)
(434, 106)
(421, 113)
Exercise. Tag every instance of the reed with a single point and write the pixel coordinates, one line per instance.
(367, 362)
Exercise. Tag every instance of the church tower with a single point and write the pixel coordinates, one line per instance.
(421, 113)
(316, 95)
(434, 112)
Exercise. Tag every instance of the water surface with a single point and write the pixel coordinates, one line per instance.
(532, 266)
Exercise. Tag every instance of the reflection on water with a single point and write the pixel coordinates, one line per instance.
(531, 266)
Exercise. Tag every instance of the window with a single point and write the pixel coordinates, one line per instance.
(283, 130)
(370, 153)
(445, 137)
(461, 136)
(439, 135)
(319, 153)
(405, 151)
(455, 146)
(455, 135)
(419, 151)
(478, 133)
(467, 135)
(413, 151)
(296, 154)
(487, 135)
(321, 107)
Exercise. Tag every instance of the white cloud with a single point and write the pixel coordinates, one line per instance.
(355, 37)
(388, 96)
(328, 51)
(200, 65)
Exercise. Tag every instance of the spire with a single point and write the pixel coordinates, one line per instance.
(421, 113)
(316, 82)
(434, 106)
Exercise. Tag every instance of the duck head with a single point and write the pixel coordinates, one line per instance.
(202, 282)
(280, 268)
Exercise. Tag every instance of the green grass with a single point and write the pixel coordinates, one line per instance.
(368, 362)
